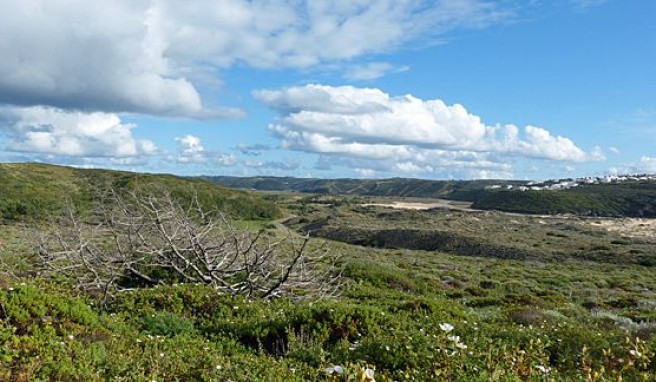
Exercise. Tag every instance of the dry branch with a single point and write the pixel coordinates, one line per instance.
(148, 238)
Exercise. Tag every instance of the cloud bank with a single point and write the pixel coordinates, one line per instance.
(415, 135)
(155, 57)
(52, 131)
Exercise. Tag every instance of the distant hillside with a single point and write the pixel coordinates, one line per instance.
(630, 199)
(393, 187)
(635, 198)
(33, 190)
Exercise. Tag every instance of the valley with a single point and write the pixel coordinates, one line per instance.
(429, 289)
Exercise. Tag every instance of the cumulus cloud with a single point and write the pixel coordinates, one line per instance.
(191, 151)
(156, 56)
(368, 123)
(45, 130)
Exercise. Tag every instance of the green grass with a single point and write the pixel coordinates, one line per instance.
(581, 306)
(33, 191)
(629, 199)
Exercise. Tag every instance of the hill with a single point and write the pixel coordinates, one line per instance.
(630, 199)
(392, 187)
(635, 198)
(33, 190)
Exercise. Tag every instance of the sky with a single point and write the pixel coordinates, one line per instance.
(441, 89)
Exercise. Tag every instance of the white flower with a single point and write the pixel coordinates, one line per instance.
(543, 369)
(369, 374)
(334, 369)
(446, 327)
(456, 342)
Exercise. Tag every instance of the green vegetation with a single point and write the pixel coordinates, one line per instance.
(428, 295)
(628, 199)
(394, 187)
(483, 233)
(36, 190)
(631, 199)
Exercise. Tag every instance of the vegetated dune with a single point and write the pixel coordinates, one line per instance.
(627, 199)
(481, 234)
(630, 227)
(35, 190)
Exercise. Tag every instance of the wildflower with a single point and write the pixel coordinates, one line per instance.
(446, 327)
(456, 342)
(635, 353)
(334, 369)
(369, 375)
(543, 369)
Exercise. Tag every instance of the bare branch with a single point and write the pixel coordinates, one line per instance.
(149, 238)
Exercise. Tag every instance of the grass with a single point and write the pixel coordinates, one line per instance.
(580, 307)
(34, 191)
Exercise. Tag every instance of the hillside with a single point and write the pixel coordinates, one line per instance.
(622, 199)
(433, 295)
(393, 187)
(34, 190)
(631, 199)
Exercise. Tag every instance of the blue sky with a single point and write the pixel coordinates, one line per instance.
(371, 88)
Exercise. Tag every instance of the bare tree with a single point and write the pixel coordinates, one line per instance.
(149, 238)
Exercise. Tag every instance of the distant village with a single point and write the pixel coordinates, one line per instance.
(564, 184)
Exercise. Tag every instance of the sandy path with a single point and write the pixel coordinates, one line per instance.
(423, 206)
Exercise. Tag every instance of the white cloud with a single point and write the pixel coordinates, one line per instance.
(45, 130)
(226, 160)
(419, 135)
(372, 70)
(191, 151)
(154, 57)
(365, 172)
(273, 165)
(614, 150)
(647, 164)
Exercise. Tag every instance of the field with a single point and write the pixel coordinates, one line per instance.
(427, 294)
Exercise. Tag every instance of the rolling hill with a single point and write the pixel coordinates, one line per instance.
(621, 199)
(34, 190)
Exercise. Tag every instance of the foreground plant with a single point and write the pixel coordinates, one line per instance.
(148, 238)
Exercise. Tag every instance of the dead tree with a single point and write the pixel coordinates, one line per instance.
(150, 238)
